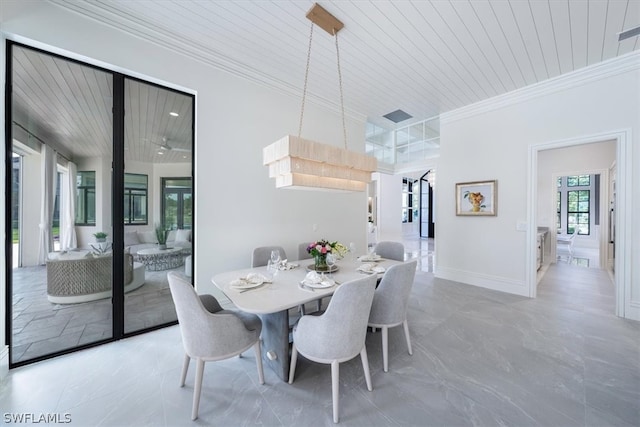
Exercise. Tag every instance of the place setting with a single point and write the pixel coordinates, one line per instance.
(370, 257)
(370, 268)
(313, 281)
(249, 282)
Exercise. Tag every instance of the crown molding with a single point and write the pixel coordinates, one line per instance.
(592, 73)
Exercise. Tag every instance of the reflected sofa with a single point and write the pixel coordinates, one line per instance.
(81, 276)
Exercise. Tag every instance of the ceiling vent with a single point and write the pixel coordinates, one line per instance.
(397, 116)
(628, 33)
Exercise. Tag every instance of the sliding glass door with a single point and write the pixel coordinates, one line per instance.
(154, 156)
(90, 150)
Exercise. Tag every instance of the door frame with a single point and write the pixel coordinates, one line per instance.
(623, 214)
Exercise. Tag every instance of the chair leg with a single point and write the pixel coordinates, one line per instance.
(385, 348)
(335, 389)
(292, 365)
(319, 304)
(185, 368)
(197, 389)
(406, 335)
(365, 367)
(258, 351)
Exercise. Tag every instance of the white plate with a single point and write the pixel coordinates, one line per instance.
(319, 285)
(371, 268)
(243, 284)
(251, 281)
(367, 258)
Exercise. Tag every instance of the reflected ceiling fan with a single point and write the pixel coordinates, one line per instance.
(166, 146)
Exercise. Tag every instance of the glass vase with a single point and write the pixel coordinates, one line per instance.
(320, 262)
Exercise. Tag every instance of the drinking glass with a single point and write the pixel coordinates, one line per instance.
(275, 257)
(331, 261)
(352, 250)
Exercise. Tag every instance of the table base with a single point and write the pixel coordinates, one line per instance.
(275, 342)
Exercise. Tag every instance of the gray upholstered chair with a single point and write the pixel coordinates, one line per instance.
(210, 333)
(389, 307)
(260, 256)
(338, 334)
(302, 251)
(390, 250)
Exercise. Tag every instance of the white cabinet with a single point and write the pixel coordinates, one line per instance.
(540, 251)
(542, 232)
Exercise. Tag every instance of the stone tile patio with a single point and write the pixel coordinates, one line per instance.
(40, 327)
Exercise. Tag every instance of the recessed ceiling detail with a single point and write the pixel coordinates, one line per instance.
(397, 116)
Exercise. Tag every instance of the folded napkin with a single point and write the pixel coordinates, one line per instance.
(371, 268)
(284, 265)
(315, 280)
(250, 280)
(370, 257)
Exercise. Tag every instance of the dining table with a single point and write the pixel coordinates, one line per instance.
(273, 300)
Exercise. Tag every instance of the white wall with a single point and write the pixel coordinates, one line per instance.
(491, 140)
(389, 206)
(237, 206)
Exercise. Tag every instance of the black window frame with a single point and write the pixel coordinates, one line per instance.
(578, 212)
(131, 194)
(84, 191)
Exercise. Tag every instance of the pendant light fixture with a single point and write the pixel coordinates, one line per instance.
(298, 163)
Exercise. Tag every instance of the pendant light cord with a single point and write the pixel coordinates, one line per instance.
(306, 78)
(344, 126)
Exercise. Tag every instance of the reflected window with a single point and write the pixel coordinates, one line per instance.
(177, 212)
(135, 199)
(86, 198)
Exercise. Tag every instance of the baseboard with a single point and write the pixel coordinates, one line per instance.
(633, 310)
(496, 283)
(4, 362)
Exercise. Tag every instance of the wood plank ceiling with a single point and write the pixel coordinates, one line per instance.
(424, 57)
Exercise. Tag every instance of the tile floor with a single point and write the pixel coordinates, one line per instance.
(481, 358)
(40, 327)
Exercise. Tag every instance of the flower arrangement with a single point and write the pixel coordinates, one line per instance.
(324, 247)
(319, 250)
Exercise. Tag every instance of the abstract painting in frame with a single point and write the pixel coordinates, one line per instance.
(476, 198)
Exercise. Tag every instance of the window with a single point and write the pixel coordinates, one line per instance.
(135, 199)
(177, 212)
(578, 211)
(379, 143)
(578, 181)
(576, 194)
(410, 200)
(86, 198)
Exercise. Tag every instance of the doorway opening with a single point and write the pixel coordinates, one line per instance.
(542, 184)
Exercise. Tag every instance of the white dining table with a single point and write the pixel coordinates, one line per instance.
(272, 302)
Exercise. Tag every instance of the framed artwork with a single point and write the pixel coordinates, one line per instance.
(476, 198)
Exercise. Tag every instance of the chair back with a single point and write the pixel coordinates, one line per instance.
(339, 333)
(390, 250)
(302, 251)
(204, 334)
(391, 298)
(261, 255)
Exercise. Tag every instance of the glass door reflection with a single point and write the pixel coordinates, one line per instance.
(61, 280)
(158, 200)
